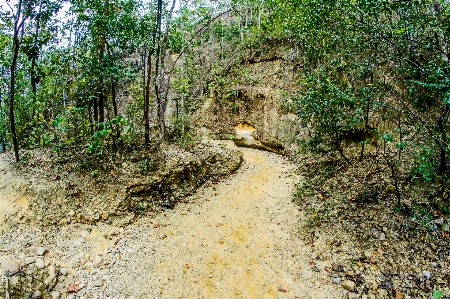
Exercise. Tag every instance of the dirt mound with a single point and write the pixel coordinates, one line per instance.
(57, 191)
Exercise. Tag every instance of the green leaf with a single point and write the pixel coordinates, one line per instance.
(437, 294)
(401, 145)
(388, 137)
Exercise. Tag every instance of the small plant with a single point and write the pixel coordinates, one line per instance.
(140, 207)
(304, 189)
(146, 166)
(425, 168)
(437, 294)
(94, 173)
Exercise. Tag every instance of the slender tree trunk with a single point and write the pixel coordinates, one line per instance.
(157, 60)
(2, 133)
(366, 123)
(113, 97)
(11, 98)
(101, 103)
(147, 99)
(161, 84)
(34, 76)
(91, 122)
(101, 92)
(339, 146)
(114, 102)
(443, 141)
(396, 185)
(16, 45)
(443, 43)
(95, 108)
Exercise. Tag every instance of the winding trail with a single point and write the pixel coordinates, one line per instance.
(235, 239)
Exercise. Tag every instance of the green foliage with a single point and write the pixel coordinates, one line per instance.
(146, 166)
(179, 130)
(437, 294)
(425, 168)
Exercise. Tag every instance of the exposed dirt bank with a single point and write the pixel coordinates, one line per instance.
(60, 188)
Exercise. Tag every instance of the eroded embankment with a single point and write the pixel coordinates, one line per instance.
(49, 190)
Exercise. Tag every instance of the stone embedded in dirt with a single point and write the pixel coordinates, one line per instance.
(52, 271)
(306, 274)
(98, 259)
(37, 294)
(73, 288)
(348, 285)
(336, 280)
(77, 243)
(387, 284)
(9, 264)
(167, 205)
(338, 268)
(29, 260)
(76, 260)
(55, 294)
(382, 236)
(426, 274)
(39, 251)
(99, 283)
(63, 271)
(352, 295)
(398, 294)
(383, 293)
(40, 264)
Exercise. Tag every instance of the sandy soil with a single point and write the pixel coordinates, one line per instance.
(12, 198)
(237, 238)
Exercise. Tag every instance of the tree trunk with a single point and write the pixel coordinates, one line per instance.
(11, 97)
(101, 104)
(339, 146)
(95, 108)
(113, 97)
(157, 60)
(34, 77)
(442, 39)
(114, 102)
(443, 142)
(366, 123)
(16, 45)
(147, 98)
(161, 84)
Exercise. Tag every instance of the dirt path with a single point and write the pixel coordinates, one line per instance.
(236, 240)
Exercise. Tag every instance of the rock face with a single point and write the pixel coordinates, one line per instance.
(258, 122)
(257, 103)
